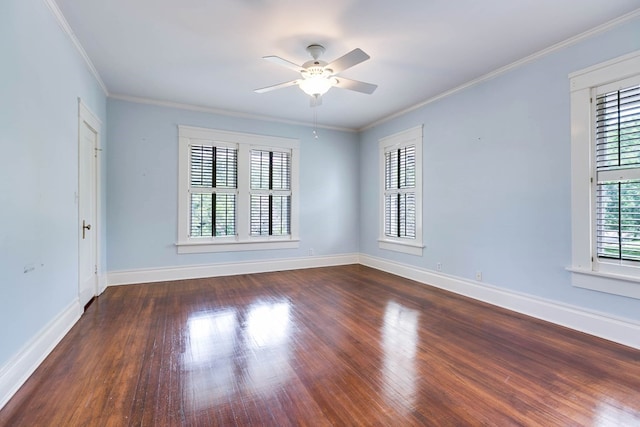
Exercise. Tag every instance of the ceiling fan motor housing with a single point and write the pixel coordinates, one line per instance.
(315, 50)
(315, 69)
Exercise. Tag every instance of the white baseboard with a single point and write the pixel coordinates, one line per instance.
(623, 331)
(226, 269)
(20, 367)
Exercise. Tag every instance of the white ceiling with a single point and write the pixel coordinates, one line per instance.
(208, 53)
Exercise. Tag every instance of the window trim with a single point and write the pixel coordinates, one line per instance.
(243, 241)
(411, 246)
(588, 272)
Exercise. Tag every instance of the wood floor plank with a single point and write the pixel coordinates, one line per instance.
(333, 346)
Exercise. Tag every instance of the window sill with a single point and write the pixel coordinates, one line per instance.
(404, 247)
(611, 283)
(202, 247)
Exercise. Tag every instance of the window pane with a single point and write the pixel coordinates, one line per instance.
(407, 178)
(270, 170)
(205, 159)
(226, 167)
(281, 167)
(278, 216)
(618, 128)
(391, 170)
(201, 215)
(202, 166)
(259, 170)
(281, 215)
(407, 215)
(259, 222)
(618, 220)
(225, 214)
(391, 215)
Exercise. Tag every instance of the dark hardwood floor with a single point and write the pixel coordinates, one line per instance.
(331, 346)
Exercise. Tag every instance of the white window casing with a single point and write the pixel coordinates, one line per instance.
(599, 262)
(400, 169)
(233, 231)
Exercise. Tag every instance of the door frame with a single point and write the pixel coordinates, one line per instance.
(86, 116)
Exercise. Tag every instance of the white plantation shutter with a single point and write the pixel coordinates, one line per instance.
(617, 136)
(259, 215)
(281, 168)
(281, 215)
(213, 186)
(400, 192)
(202, 166)
(259, 170)
(270, 193)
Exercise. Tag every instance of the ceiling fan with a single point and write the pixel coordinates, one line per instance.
(317, 76)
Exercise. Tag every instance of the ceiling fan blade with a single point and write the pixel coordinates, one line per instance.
(283, 62)
(355, 85)
(278, 86)
(352, 58)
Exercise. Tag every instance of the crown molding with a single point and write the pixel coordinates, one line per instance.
(201, 109)
(64, 25)
(502, 70)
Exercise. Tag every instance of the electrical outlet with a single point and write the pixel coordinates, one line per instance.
(439, 266)
(479, 276)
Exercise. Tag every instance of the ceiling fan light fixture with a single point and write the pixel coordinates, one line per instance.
(317, 85)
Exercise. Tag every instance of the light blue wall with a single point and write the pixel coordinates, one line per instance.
(497, 178)
(143, 192)
(41, 77)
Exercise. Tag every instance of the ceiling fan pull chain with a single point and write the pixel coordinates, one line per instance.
(315, 122)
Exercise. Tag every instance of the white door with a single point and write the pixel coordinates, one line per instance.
(87, 207)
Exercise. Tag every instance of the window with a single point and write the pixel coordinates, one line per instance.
(214, 184)
(617, 140)
(401, 192)
(236, 191)
(270, 193)
(605, 156)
